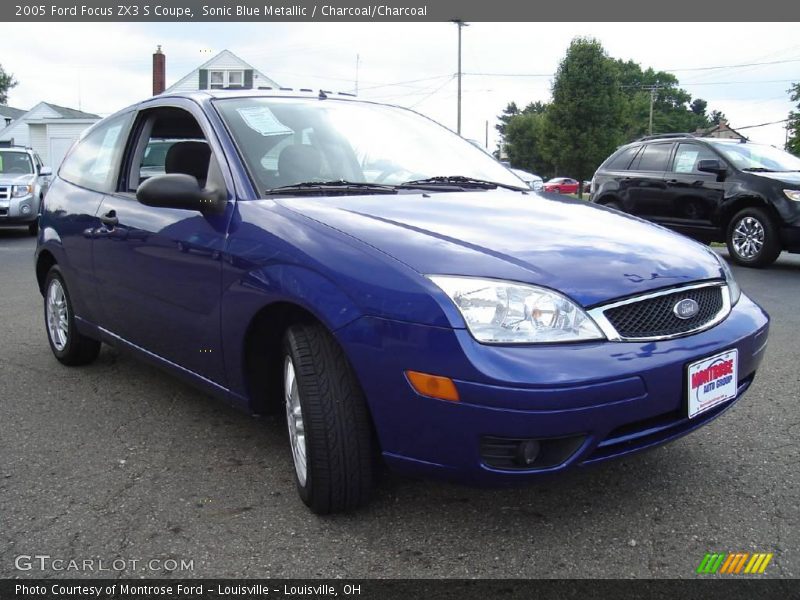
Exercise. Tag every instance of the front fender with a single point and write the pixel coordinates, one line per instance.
(266, 286)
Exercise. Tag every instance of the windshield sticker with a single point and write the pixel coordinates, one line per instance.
(261, 119)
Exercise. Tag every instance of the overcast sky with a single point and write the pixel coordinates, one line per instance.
(103, 67)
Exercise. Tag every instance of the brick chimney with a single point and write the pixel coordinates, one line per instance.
(159, 72)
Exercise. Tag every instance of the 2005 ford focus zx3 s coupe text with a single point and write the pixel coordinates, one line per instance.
(390, 287)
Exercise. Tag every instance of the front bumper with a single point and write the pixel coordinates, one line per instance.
(617, 397)
(22, 210)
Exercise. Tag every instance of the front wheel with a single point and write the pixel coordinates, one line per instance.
(328, 422)
(68, 345)
(753, 238)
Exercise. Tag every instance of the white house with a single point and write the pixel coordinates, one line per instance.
(224, 71)
(49, 129)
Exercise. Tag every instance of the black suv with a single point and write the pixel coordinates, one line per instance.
(714, 190)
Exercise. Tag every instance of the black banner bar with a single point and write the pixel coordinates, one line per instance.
(398, 10)
(713, 588)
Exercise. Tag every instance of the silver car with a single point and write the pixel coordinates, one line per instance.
(534, 181)
(23, 184)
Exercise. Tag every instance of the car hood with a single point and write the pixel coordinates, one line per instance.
(788, 177)
(13, 179)
(587, 252)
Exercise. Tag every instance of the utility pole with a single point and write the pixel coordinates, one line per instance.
(358, 60)
(653, 89)
(461, 25)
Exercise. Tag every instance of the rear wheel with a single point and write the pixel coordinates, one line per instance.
(613, 204)
(328, 422)
(68, 345)
(753, 238)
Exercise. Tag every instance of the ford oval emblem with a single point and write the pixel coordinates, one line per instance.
(686, 308)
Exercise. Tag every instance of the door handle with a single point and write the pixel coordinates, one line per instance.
(672, 181)
(110, 218)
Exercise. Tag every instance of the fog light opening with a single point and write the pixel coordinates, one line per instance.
(527, 452)
(25, 209)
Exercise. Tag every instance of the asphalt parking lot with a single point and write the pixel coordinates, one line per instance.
(119, 461)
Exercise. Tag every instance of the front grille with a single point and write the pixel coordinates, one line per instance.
(655, 317)
(5, 192)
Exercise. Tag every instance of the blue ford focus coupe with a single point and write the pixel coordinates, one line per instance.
(392, 288)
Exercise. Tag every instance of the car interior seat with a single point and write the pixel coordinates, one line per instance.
(189, 157)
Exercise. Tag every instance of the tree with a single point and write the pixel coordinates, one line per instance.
(584, 122)
(524, 143)
(717, 117)
(7, 82)
(512, 110)
(674, 110)
(793, 141)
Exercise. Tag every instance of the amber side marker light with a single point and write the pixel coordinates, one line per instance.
(433, 386)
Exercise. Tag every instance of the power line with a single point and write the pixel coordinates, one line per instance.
(438, 89)
(762, 124)
(755, 64)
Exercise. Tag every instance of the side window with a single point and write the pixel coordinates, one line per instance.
(654, 157)
(92, 162)
(622, 160)
(169, 140)
(687, 157)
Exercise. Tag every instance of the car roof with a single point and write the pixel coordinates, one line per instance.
(264, 92)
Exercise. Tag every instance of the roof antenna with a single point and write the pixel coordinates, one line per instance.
(323, 95)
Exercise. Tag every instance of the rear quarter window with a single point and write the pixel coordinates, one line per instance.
(621, 161)
(93, 161)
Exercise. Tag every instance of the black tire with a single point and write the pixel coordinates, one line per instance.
(335, 419)
(77, 348)
(614, 204)
(33, 228)
(771, 246)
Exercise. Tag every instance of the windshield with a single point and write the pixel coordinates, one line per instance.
(758, 157)
(15, 163)
(287, 141)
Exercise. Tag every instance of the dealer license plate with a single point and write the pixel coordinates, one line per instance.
(712, 381)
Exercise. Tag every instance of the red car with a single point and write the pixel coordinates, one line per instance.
(561, 185)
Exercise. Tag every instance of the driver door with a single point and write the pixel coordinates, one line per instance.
(158, 270)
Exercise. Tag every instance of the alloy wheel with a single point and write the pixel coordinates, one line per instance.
(294, 421)
(748, 237)
(57, 315)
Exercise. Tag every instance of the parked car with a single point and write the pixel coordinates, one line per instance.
(23, 184)
(534, 182)
(587, 187)
(714, 190)
(429, 314)
(561, 185)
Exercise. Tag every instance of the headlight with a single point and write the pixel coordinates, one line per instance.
(18, 191)
(792, 195)
(733, 288)
(508, 312)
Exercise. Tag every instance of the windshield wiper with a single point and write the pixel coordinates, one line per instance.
(759, 170)
(459, 181)
(339, 186)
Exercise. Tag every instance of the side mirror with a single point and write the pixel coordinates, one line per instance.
(178, 190)
(45, 172)
(712, 165)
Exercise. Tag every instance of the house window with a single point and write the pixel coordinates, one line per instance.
(218, 80)
(236, 78)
